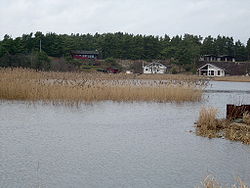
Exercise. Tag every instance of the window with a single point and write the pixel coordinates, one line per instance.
(212, 73)
(218, 73)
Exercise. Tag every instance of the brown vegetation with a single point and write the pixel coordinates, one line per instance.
(209, 126)
(207, 118)
(189, 78)
(23, 84)
(211, 182)
(233, 78)
(246, 118)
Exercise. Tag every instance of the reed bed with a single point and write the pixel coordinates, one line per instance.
(208, 118)
(209, 126)
(233, 78)
(211, 182)
(33, 74)
(190, 78)
(246, 118)
(30, 85)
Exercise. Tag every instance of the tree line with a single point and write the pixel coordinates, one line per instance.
(182, 50)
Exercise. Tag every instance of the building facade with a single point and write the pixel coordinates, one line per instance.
(211, 70)
(221, 58)
(80, 54)
(222, 66)
(154, 68)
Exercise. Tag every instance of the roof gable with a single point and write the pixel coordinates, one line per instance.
(155, 64)
(209, 64)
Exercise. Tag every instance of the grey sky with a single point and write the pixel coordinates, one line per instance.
(158, 17)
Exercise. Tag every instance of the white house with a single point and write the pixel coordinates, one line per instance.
(154, 68)
(211, 70)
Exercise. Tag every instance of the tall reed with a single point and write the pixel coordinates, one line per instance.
(246, 118)
(22, 84)
(207, 119)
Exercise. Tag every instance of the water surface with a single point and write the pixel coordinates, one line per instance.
(110, 144)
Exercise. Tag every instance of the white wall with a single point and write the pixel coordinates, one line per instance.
(154, 69)
(214, 71)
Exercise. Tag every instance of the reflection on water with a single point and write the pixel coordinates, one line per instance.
(117, 144)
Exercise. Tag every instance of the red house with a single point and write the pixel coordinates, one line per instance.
(112, 70)
(81, 54)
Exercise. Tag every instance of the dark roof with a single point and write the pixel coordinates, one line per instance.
(226, 56)
(166, 63)
(155, 64)
(209, 56)
(231, 68)
(205, 64)
(217, 56)
(83, 52)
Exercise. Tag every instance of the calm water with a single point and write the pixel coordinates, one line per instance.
(118, 144)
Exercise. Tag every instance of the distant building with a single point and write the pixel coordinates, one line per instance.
(222, 66)
(211, 70)
(81, 54)
(154, 68)
(112, 70)
(221, 58)
(128, 72)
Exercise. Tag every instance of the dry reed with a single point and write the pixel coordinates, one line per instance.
(31, 73)
(207, 122)
(25, 84)
(233, 78)
(211, 182)
(209, 126)
(182, 77)
(238, 132)
(246, 118)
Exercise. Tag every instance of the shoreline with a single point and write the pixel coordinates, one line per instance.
(232, 79)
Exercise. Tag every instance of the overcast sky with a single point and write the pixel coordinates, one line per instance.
(156, 17)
